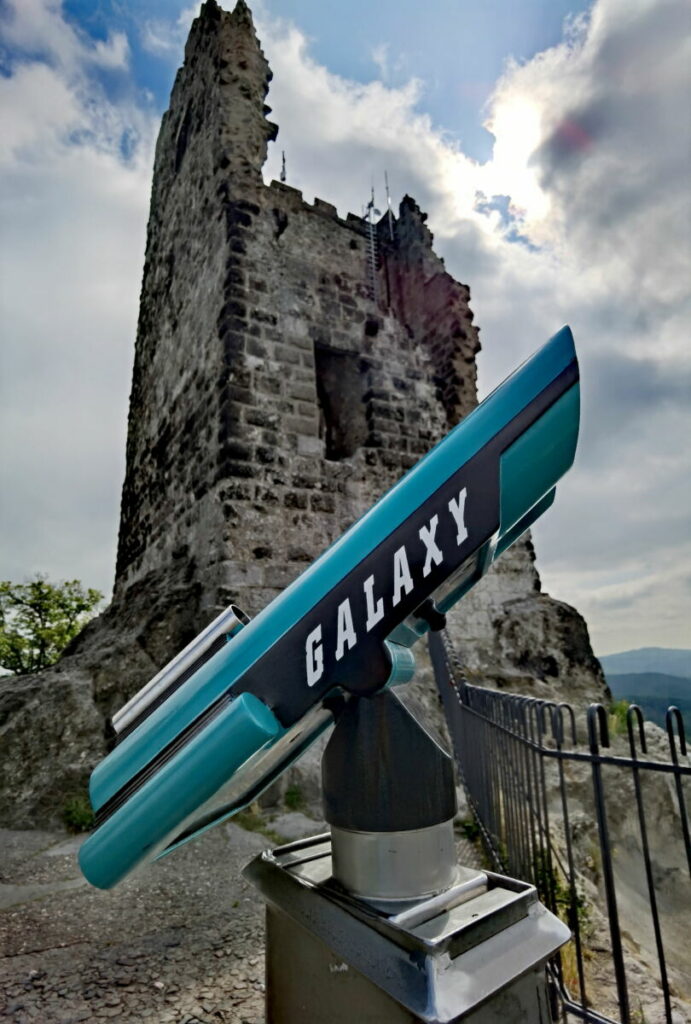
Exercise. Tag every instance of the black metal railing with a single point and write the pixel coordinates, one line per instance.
(593, 812)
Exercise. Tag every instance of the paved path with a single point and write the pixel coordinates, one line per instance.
(180, 942)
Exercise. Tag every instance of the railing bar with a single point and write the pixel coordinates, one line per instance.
(594, 723)
(652, 895)
(579, 755)
(495, 809)
(591, 1016)
(521, 799)
(507, 822)
(514, 767)
(532, 811)
(674, 714)
(505, 808)
(543, 836)
(573, 895)
(683, 816)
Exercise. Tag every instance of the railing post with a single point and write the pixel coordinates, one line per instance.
(635, 712)
(597, 724)
(574, 923)
(674, 715)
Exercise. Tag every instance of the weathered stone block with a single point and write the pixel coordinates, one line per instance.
(259, 418)
(301, 424)
(293, 499)
(309, 445)
(322, 503)
(280, 576)
(245, 573)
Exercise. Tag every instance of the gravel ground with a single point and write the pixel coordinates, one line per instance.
(182, 941)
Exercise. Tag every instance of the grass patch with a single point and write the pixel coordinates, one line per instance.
(617, 717)
(77, 813)
(293, 799)
(569, 904)
(470, 829)
(252, 821)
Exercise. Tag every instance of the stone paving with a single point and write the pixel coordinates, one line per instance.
(182, 942)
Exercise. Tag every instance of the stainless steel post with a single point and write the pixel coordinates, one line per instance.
(390, 799)
(375, 922)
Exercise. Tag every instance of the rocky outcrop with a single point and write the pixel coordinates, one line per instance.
(279, 388)
(509, 634)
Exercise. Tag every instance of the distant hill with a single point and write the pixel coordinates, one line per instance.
(672, 661)
(653, 692)
(649, 684)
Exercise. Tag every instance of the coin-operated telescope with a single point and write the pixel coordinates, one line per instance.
(244, 700)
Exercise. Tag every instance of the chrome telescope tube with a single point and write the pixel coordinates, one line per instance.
(223, 628)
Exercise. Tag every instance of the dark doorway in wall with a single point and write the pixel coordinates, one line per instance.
(340, 393)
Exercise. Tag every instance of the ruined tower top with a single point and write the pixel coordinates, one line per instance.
(217, 104)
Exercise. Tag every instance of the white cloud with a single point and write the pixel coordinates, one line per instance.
(389, 67)
(113, 52)
(381, 58)
(615, 141)
(613, 162)
(646, 592)
(73, 215)
(39, 29)
(166, 38)
(339, 136)
(38, 106)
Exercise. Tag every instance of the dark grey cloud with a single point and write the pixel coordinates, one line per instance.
(615, 264)
(619, 142)
(620, 602)
(618, 391)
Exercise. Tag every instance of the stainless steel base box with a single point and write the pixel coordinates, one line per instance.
(474, 953)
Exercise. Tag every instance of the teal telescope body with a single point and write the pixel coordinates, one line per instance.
(233, 710)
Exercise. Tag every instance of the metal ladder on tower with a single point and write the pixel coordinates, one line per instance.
(372, 251)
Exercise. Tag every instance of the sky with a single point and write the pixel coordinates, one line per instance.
(549, 142)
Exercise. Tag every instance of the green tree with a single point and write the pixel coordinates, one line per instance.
(617, 717)
(38, 619)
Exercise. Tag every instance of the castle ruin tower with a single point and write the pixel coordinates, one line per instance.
(276, 394)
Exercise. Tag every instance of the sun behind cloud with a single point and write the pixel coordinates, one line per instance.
(516, 123)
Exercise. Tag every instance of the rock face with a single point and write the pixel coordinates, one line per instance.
(290, 366)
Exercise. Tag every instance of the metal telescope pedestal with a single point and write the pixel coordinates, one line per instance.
(375, 922)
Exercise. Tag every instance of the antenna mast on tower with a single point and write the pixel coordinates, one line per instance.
(388, 205)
